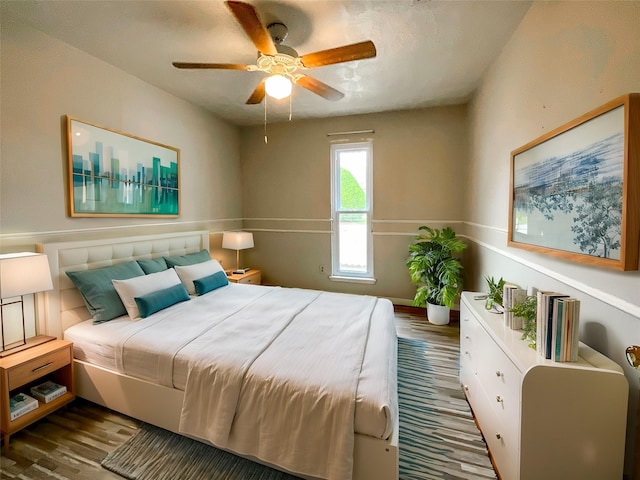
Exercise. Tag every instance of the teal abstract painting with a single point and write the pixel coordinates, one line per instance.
(116, 174)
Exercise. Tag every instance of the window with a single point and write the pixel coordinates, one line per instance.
(352, 245)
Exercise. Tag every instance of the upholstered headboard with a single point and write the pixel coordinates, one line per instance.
(62, 307)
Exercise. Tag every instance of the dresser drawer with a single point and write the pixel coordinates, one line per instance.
(500, 379)
(468, 332)
(468, 353)
(468, 379)
(38, 367)
(504, 447)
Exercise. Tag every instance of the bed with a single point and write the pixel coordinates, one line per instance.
(242, 337)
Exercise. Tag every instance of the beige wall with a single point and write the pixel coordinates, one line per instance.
(419, 165)
(43, 80)
(565, 59)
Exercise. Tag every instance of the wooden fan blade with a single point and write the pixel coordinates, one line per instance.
(347, 53)
(319, 88)
(248, 18)
(223, 66)
(258, 94)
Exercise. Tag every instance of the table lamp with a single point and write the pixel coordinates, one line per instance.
(237, 241)
(20, 274)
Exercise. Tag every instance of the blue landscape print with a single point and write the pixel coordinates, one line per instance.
(572, 201)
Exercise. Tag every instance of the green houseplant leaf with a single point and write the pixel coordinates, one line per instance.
(433, 267)
(527, 309)
(496, 288)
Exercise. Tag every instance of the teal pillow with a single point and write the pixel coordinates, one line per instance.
(159, 300)
(210, 282)
(98, 292)
(188, 259)
(155, 265)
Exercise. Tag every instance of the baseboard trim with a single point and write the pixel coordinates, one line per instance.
(454, 315)
(410, 309)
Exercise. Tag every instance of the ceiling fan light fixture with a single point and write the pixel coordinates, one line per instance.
(278, 86)
(281, 63)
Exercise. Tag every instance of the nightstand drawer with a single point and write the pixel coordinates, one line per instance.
(255, 279)
(252, 276)
(38, 367)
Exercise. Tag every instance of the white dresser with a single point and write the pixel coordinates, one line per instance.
(541, 419)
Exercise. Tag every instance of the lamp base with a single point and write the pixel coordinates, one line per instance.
(31, 342)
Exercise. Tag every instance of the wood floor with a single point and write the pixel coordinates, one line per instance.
(71, 443)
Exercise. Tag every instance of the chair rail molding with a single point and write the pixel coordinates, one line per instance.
(605, 297)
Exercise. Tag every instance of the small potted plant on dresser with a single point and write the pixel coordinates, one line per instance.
(438, 274)
(527, 309)
(494, 296)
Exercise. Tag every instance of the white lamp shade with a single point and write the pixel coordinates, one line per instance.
(24, 273)
(237, 240)
(278, 86)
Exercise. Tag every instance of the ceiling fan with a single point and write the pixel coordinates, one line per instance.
(282, 64)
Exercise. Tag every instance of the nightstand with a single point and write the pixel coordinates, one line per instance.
(52, 360)
(252, 276)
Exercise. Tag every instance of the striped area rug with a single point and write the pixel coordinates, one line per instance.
(438, 436)
(157, 454)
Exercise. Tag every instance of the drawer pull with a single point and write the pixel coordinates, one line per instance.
(499, 373)
(498, 436)
(467, 337)
(41, 367)
(499, 399)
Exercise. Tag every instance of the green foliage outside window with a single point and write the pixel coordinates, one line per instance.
(352, 195)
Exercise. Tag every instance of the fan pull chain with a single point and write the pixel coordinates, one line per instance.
(266, 140)
(290, 97)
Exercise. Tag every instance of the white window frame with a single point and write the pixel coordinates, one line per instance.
(336, 273)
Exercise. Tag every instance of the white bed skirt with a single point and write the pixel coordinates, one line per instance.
(374, 459)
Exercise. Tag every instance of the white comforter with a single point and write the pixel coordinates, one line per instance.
(280, 383)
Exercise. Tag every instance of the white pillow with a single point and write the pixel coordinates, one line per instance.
(134, 287)
(189, 273)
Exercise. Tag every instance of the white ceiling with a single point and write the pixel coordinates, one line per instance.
(428, 52)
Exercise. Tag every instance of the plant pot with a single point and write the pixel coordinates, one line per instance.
(437, 314)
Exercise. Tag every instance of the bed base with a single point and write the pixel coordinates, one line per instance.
(374, 459)
(58, 309)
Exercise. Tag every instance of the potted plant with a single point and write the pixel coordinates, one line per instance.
(527, 310)
(494, 297)
(436, 271)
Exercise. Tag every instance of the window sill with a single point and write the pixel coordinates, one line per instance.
(367, 280)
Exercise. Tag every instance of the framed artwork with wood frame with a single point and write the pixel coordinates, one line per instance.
(575, 191)
(114, 174)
